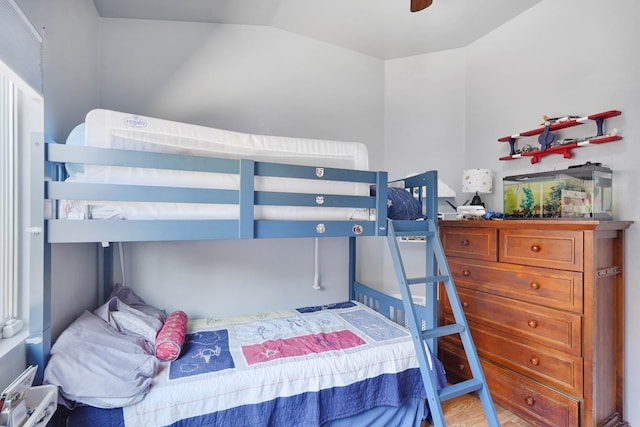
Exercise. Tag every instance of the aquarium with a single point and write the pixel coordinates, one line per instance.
(583, 192)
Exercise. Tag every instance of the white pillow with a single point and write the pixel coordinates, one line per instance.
(93, 363)
(137, 323)
(129, 320)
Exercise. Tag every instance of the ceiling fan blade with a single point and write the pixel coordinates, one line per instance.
(418, 5)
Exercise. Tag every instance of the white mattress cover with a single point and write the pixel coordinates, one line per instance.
(112, 129)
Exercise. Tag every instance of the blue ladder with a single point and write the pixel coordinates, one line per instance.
(437, 270)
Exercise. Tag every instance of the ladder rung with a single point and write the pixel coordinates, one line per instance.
(412, 228)
(417, 232)
(442, 331)
(429, 279)
(455, 390)
(414, 233)
(409, 224)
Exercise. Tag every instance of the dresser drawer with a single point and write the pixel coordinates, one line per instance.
(531, 399)
(543, 286)
(557, 329)
(542, 248)
(555, 368)
(470, 242)
(527, 398)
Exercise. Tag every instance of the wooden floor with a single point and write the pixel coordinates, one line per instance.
(466, 411)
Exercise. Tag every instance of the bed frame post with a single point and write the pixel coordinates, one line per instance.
(381, 203)
(352, 267)
(105, 269)
(431, 291)
(247, 203)
(38, 344)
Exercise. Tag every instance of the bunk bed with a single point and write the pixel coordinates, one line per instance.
(133, 178)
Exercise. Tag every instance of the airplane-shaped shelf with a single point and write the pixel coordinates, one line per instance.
(546, 138)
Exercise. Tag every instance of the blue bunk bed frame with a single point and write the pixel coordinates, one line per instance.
(54, 156)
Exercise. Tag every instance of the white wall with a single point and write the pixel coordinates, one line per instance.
(560, 57)
(424, 130)
(69, 30)
(566, 57)
(425, 114)
(251, 79)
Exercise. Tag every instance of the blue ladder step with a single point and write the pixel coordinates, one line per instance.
(428, 279)
(411, 233)
(459, 389)
(418, 227)
(442, 331)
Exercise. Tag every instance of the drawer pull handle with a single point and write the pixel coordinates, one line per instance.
(533, 323)
(535, 248)
(534, 285)
(466, 273)
(461, 367)
(529, 400)
(465, 242)
(465, 304)
(535, 361)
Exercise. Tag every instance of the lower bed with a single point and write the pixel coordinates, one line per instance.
(331, 365)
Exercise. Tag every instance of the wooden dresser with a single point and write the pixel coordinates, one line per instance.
(545, 304)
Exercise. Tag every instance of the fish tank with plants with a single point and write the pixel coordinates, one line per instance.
(579, 192)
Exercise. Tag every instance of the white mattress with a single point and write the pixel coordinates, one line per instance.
(111, 129)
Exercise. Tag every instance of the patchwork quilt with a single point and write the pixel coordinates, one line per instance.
(301, 367)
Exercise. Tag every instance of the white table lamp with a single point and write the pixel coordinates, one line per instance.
(478, 181)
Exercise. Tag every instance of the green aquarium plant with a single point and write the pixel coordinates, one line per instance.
(527, 201)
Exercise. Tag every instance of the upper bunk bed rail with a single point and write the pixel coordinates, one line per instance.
(245, 226)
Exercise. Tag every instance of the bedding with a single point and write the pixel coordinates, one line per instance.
(105, 358)
(401, 204)
(111, 129)
(410, 413)
(129, 320)
(302, 367)
(93, 363)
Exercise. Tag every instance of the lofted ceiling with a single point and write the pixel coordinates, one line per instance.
(384, 29)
